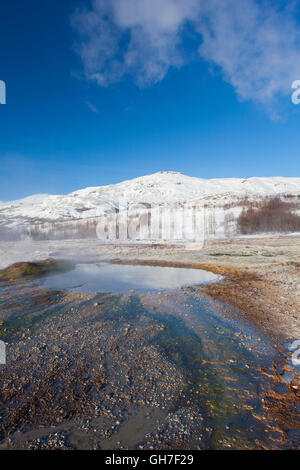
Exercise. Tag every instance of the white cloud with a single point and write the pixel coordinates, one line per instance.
(137, 37)
(257, 48)
(255, 44)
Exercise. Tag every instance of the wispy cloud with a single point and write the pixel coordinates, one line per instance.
(137, 37)
(256, 44)
(92, 107)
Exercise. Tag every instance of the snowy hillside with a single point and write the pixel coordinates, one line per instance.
(160, 188)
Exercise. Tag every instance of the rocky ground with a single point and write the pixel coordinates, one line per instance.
(87, 367)
(89, 370)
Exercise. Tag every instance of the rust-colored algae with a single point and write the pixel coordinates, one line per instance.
(215, 268)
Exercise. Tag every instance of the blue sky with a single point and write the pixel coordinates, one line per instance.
(97, 94)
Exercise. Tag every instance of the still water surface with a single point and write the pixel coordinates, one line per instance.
(107, 277)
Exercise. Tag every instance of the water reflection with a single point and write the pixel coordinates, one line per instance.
(106, 277)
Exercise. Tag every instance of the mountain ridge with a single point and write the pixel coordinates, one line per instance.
(164, 187)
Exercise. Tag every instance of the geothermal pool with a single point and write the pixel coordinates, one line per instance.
(107, 277)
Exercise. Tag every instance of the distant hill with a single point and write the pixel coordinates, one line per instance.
(76, 214)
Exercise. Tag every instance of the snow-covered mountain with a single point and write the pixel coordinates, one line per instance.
(43, 213)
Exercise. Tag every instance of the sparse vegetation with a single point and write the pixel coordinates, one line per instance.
(269, 215)
(32, 269)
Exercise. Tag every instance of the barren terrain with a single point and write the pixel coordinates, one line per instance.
(89, 370)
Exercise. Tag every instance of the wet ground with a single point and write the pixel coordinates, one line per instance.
(152, 369)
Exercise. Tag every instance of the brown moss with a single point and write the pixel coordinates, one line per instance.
(32, 269)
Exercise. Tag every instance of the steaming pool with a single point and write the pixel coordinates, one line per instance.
(107, 277)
